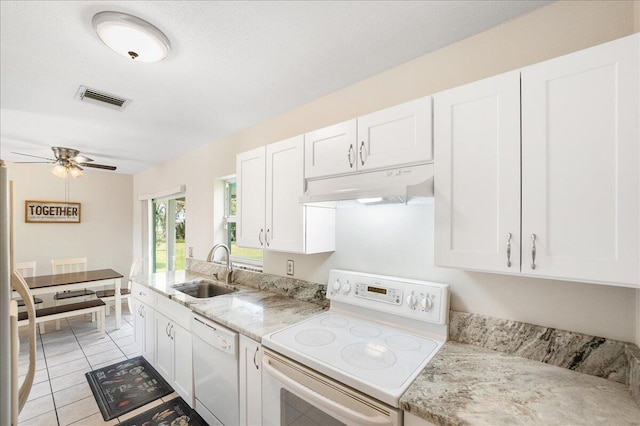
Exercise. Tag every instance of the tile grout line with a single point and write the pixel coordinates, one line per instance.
(46, 365)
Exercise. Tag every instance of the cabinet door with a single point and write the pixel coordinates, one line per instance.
(250, 198)
(285, 184)
(395, 136)
(580, 164)
(182, 363)
(477, 175)
(250, 382)
(164, 352)
(149, 333)
(331, 150)
(138, 324)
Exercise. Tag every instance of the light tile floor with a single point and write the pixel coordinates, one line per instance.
(60, 394)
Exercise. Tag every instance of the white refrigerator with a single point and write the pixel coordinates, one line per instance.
(5, 299)
(11, 398)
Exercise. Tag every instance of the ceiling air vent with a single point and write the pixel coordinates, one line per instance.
(96, 97)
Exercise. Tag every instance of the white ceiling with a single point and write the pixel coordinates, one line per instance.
(232, 65)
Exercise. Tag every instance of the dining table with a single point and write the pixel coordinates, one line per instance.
(46, 284)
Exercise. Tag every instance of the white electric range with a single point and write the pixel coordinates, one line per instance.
(351, 364)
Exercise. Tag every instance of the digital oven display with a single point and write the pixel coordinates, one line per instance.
(377, 290)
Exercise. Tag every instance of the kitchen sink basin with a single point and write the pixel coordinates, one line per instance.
(203, 289)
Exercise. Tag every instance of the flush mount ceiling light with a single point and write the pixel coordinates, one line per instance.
(131, 36)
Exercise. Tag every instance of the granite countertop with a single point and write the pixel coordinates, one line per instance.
(469, 385)
(250, 311)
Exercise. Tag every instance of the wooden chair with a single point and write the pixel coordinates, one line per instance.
(125, 291)
(28, 269)
(63, 266)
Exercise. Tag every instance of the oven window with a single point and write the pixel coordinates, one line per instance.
(295, 411)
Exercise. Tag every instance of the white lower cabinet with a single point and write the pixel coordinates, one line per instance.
(250, 382)
(174, 349)
(143, 322)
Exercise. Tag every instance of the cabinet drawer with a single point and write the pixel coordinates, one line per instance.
(143, 294)
(175, 312)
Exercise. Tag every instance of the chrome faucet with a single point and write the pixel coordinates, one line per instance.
(229, 274)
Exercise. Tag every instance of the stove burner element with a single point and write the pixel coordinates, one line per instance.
(403, 343)
(334, 321)
(368, 356)
(365, 331)
(315, 337)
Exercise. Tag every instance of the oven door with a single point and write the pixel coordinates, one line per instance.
(294, 393)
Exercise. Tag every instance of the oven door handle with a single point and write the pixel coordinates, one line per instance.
(322, 401)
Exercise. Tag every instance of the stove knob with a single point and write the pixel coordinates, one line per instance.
(426, 303)
(336, 285)
(346, 288)
(412, 301)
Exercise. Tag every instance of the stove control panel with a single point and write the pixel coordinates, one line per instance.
(422, 300)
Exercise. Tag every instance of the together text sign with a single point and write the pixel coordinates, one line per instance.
(51, 212)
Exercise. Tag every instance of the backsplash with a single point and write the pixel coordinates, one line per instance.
(580, 352)
(290, 287)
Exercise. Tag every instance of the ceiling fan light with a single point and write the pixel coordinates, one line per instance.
(131, 36)
(60, 171)
(75, 171)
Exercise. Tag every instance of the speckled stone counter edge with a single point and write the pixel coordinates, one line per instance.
(289, 287)
(597, 356)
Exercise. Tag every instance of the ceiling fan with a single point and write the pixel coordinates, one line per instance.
(67, 161)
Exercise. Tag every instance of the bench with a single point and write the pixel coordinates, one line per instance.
(96, 306)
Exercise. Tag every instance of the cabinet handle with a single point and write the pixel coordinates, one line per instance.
(508, 249)
(266, 237)
(171, 332)
(533, 251)
(254, 358)
(363, 150)
(142, 311)
(260, 236)
(351, 154)
(166, 329)
(142, 293)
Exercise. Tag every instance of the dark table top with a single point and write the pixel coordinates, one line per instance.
(40, 281)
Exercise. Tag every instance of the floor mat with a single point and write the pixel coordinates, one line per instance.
(175, 412)
(125, 386)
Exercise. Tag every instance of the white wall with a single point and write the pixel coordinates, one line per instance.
(104, 234)
(399, 240)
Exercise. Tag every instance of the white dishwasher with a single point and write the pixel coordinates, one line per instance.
(215, 372)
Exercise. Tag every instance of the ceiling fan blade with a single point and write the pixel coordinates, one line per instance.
(35, 156)
(80, 159)
(33, 162)
(98, 166)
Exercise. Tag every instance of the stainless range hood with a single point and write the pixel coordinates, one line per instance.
(412, 184)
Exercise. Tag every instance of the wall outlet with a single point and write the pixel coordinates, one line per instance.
(289, 267)
(190, 251)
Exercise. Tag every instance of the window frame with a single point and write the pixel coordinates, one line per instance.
(229, 218)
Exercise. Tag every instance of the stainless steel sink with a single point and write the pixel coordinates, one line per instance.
(203, 289)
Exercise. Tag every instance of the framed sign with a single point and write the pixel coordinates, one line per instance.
(51, 212)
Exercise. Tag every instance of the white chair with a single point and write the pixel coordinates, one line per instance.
(63, 266)
(28, 269)
(125, 291)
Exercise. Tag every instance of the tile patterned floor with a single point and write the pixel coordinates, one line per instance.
(60, 394)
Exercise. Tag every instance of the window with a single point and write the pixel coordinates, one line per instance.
(240, 254)
(169, 221)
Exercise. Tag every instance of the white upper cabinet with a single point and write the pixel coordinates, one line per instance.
(250, 198)
(331, 150)
(395, 136)
(270, 181)
(580, 187)
(477, 175)
(579, 168)
(392, 137)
